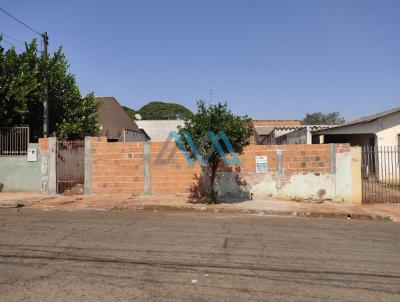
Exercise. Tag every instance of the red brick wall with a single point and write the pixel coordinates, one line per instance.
(119, 167)
(176, 177)
(295, 159)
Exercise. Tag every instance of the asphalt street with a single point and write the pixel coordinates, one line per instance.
(154, 256)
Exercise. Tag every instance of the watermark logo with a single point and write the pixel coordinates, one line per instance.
(202, 159)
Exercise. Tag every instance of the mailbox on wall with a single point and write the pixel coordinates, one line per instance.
(32, 154)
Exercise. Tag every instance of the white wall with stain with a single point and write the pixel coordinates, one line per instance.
(301, 186)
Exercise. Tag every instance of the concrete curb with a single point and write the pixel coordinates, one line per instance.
(21, 202)
(11, 204)
(210, 209)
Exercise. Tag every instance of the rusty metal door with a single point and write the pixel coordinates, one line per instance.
(380, 173)
(70, 167)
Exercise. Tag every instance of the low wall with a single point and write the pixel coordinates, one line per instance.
(291, 172)
(295, 172)
(117, 167)
(19, 175)
(172, 174)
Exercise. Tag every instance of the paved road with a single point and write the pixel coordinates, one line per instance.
(142, 256)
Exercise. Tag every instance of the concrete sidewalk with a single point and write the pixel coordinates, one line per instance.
(383, 212)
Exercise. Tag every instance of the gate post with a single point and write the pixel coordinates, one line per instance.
(88, 165)
(356, 186)
(48, 152)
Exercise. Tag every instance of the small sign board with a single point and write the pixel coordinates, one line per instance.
(32, 154)
(261, 164)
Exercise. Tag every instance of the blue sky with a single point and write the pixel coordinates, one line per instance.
(267, 59)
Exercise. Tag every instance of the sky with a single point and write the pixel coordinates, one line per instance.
(267, 59)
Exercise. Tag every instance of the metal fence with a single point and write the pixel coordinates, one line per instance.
(14, 141)
(133, 136)
(380, 171)
(70, 167)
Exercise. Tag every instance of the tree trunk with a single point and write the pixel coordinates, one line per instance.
(213, 193)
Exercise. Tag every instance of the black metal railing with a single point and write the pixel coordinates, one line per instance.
(14, 141)
(380, 172)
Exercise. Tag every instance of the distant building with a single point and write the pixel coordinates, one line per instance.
(379, 134)
(281, 132)
(300, 135)
(267, 130)
(116, 124)
(260, 123)
(380, 129)
(159, 130)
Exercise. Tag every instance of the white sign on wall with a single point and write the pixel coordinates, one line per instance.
(261, 164)
(32, 154)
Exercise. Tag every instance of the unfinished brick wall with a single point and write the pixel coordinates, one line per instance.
(296, 159)
(117, 167)
(174, 177)
(120, 168)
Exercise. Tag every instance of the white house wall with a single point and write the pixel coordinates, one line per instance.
(387, 141)
(389, 130)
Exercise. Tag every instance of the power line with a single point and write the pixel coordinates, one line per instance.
(19, 21)
(11, 37)
(4, 40)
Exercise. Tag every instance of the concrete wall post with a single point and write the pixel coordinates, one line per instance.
(88, 165)
(147, 176)
(332, 159)
(356, 182)
(49, 168)
(342, 176)
(308, 136)
(279, 168)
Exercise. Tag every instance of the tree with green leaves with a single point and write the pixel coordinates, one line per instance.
(319, 118)
(22, 76)
(164, 111)
(216, 118)
(131, 112)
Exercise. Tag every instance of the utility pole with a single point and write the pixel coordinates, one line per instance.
(210, 102)
(46, 92)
